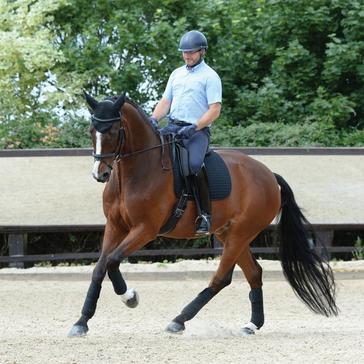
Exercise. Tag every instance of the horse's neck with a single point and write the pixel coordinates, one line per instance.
(141, 144)
(139, 134)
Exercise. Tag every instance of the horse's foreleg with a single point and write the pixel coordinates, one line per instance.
(253, 273)
(80, 328)
(225, 271)
(112, 236)
(133, 241)
(129, 296)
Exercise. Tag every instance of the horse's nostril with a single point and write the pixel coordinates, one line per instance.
(104, 177)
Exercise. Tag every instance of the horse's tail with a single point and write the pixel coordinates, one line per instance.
(310, 277)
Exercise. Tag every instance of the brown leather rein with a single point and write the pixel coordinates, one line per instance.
(118, 155)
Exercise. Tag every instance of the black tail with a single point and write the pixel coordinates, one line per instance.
(310, 277)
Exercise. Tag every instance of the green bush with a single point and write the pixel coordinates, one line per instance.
(74, 133)
(279, 134)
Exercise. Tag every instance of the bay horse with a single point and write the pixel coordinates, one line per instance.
(139, 198)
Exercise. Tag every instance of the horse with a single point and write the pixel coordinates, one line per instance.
(132, 159)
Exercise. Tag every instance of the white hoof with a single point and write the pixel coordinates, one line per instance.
(249, 329)
(130, 298)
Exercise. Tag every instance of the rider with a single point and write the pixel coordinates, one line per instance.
(193, 100)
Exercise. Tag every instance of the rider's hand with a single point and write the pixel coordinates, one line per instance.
(154, 122)
(187, 131)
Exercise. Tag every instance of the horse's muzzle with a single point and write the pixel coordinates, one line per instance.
(103, 177)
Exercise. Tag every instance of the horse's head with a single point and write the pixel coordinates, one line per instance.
(106, 133)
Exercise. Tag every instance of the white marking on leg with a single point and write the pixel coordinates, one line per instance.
(128, 295)
(251, 326)
(249, 329)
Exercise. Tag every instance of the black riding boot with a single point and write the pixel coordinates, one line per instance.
(201, 194)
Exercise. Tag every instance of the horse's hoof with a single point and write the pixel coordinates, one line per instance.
(246, 331)
(175, 328)
(78, 331)
(131, 298)
(249, 329)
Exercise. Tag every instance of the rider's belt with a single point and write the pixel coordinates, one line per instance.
(179, 122)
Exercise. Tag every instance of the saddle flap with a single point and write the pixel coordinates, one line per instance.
(217, 173)
(182, 155)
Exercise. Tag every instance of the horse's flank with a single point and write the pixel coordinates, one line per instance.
(139, 198)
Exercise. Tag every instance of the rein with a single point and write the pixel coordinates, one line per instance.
(142, 150)
(118, 154)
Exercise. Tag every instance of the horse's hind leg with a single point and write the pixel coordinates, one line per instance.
(253, 273)
(221, 279)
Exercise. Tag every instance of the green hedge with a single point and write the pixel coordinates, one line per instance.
(278, 134)
(294, 65)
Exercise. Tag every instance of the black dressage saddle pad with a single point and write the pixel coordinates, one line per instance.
(217, 173)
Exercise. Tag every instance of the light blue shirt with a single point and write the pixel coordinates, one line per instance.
(191, 91)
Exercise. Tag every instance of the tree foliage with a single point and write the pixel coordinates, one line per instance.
(292, 71)
(27, 54)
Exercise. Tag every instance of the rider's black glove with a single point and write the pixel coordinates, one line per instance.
(154, 122)
(187, 131)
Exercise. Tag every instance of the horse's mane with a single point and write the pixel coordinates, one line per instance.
(131, 102)
(139, 108)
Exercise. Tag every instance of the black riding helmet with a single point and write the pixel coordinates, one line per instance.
(192, 41)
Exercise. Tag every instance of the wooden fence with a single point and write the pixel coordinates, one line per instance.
(52, 191)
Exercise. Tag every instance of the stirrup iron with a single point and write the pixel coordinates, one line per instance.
(200, 220)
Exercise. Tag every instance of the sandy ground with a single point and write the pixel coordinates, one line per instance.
(36, 315)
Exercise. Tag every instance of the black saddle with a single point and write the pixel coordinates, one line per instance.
(217, 173)
(218, 176)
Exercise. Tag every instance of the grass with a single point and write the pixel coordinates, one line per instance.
(358, 254)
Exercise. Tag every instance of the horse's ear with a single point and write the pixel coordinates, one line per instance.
(119, 102)
(90, 100)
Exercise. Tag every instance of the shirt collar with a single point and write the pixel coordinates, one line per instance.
(195, 68)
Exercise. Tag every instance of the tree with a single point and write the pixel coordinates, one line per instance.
(282, 62)
(27, 54)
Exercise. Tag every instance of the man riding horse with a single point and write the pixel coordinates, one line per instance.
(193, 100)
(129, 158)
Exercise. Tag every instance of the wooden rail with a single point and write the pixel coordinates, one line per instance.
(17, 233)
(87, 152)
(153, 253)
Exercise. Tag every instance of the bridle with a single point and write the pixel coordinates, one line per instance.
(101, 156)
(117, 154)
